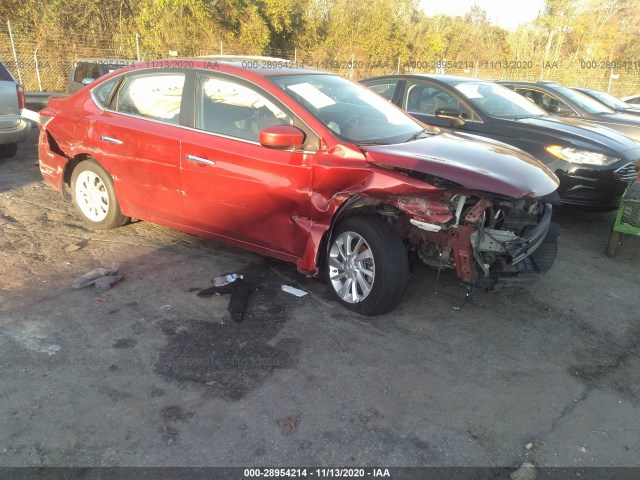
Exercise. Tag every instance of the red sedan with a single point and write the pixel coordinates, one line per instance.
(300, 165)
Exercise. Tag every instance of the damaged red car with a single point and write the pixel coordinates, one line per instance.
(304, 166)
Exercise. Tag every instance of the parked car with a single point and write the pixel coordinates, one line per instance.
(86, 70)
(13, 128)
(304, 166)
(610, 101)
(594, 164)
(631, 99)
(566, 102)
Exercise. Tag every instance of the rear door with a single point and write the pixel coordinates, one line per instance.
(138, 139)
(233, 186)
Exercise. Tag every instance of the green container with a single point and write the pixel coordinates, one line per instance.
(628, 217)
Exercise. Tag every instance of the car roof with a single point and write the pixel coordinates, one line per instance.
(111, 60)
(233, 64)
(432, 76)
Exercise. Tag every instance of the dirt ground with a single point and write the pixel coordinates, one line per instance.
(148, 373)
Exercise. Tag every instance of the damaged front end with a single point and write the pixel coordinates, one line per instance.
(492, 242)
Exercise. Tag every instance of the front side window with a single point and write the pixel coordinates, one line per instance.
(426, 99)
(543, 100)
(229, 108)
(353, 112)
(155, 96)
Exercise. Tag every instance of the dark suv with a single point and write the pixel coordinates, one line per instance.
(594, 164)
(13, 128)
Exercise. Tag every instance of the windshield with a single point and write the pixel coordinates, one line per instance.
(353, 112)
(499, 101)
(609, 100)
(586, 103)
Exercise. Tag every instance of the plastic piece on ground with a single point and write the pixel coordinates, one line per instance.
(105, 283)
(90, 277)
(293, 291)
(239, 298)
(226, 279)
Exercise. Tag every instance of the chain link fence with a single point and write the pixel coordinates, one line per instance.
(44, 62)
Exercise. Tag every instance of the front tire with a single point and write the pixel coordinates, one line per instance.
(368, 265)
(94, 196)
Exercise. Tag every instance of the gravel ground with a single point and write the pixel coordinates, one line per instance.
(148, 373)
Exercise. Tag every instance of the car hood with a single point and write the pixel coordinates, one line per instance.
(585, 132)
(470, 161)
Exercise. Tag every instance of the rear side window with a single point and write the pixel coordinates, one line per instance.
(102, 93)
(156, 96)
(4, 74)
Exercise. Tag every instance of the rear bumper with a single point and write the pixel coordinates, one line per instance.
(51, 164)
(16, 134)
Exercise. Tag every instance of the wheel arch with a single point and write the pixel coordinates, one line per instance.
(68, 171)
(356, 205)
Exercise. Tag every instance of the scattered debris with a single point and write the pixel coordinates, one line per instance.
(293, 291)
(71, 247)
(583, 450)
(527, 471)
(90, 278)
(125, 343)
(222, 323)
(529, 446)
(215, 290)
(104, 283)
(239, 298)
(226, 279)
(165, 308)
(289, 425)
(100, 299)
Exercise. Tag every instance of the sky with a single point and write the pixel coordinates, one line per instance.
(505, 13)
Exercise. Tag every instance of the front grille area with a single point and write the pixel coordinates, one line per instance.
(625, 173)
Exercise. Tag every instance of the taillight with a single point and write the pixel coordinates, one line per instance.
(20, 92)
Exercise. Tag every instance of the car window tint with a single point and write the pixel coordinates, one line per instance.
(541, 99)
(426, 99)
(102, 92)
(229, 108)
(4, 74)
(155, 96)
(386, 88)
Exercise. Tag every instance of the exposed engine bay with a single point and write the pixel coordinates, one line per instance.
(493, 243)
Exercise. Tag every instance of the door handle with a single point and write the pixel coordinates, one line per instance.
(206, 161)
(111, 140)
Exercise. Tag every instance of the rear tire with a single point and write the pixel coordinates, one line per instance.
(8, 150)
(368, 266)
(94, 197)
(614, 241)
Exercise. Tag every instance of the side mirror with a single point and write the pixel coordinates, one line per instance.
(281, 137)
(563, 110)
(87, 81)
(457, 120)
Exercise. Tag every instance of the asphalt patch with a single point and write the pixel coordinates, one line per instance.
(231, 358)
